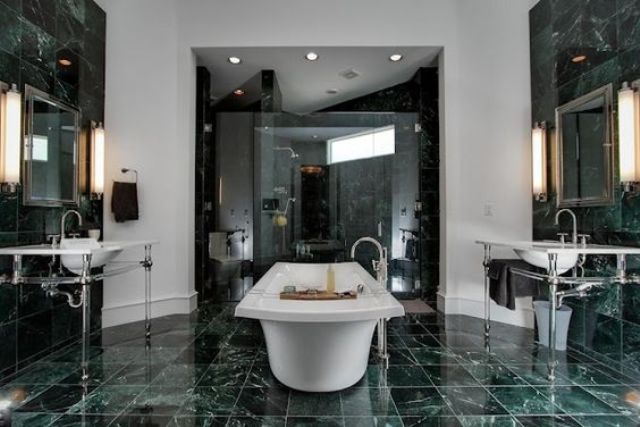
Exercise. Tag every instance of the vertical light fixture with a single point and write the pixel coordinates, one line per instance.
(539, 161)
(97, 160)
(11, 138)
(629, 141)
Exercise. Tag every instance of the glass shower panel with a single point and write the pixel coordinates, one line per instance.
(323, 180)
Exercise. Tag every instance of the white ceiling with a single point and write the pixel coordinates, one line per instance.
(304, 83)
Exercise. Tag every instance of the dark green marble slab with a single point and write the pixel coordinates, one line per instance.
(420, 401)
(262, 401)
(107, 400)
(367, 402)
(471, 401)
(313, 404)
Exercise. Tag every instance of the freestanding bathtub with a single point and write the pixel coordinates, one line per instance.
(318, 345)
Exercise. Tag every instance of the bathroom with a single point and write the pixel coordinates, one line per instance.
(172, 315)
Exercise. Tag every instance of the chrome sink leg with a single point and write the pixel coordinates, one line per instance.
(382, 342)
(553, 306)
(86, 316)
(487, 299)
(148, 263)
(621, 268)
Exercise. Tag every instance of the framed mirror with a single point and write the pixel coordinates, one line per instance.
(584, 169)
(50, 151)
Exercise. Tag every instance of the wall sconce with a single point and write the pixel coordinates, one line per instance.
(10, 139)
(629, 141)
(97, 160)
(539, 161)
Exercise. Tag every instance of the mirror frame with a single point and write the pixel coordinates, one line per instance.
(29, 93)
(607, 148)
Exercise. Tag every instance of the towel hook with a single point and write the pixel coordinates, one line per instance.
(126, 170)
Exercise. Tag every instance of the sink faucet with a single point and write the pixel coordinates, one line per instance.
(574, 236)
(379, 266)
(64, 218)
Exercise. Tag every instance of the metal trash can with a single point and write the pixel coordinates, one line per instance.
(563, 318)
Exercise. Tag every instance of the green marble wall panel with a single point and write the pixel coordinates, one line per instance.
(607, 32)
(34, 35)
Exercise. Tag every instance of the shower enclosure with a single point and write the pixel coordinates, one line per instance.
(323, 180)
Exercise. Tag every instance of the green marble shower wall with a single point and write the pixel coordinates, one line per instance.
(607, 32)
(34, 36)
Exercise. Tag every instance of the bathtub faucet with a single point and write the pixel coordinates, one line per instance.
(380, 266)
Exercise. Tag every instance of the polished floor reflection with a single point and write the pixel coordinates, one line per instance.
(210, 369)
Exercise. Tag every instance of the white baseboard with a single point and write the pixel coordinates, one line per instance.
(133, 312)
(522, 316)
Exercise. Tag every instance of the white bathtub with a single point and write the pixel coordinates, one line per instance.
(318, 345)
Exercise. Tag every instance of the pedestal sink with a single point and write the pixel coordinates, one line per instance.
(538, 256)
(101, 253)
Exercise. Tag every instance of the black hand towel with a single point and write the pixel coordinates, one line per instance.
(124, 201)
(505, 286)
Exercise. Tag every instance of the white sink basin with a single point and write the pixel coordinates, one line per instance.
(538, 256)
(101, 253)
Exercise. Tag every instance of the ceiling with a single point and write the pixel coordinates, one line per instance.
(304, 83)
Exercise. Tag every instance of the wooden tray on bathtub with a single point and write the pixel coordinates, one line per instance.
(317, 296)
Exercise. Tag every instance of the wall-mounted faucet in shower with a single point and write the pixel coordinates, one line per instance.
(294, 155)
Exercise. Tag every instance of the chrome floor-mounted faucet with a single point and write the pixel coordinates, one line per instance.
(380, 266)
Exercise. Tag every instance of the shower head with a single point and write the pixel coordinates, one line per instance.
(294, 155)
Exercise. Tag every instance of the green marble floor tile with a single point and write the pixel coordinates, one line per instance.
(83, 421)
(419, 341)
(315, 422)
(110, 400)
(367, 402)
(235, 355)
(373, 422)
(99, 373)
(624, 399)
(57, 398)
(262, 401)
(494, 375)
(159, 400)
(407, 329)
(429, 421)
(536, 374)
(210, 401)
(524, 401)
(401, 356)
(423, 401)
(476, 357)
(432, 356)
(180, 375)
(314, 404)
(144, 420)
(489, 421)
(261, 376)
(256, 422)
(228, 375)
(471, 401)
(136, 374)
(245, 341)
(576, 400)
(33, 419)
(551, 421)
(449, 375)
(400, 376)
(20, 394)
(606, 421)
(585, 375)
(45, 373)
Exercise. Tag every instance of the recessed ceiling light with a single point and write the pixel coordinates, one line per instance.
(395, 57)
(64, 62)
(578, 58)
(332, 91)
(311, 56)
(234, 60)
(238, 92)
(314, 136)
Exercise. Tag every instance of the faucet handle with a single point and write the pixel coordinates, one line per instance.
(53, 239)
(74, 235)
(583, 238)
(376, 265)
(563, 237)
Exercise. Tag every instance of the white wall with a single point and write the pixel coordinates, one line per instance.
(150, 115)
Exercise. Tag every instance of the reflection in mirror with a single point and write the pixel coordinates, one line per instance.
(584, 151)
(50, 151)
